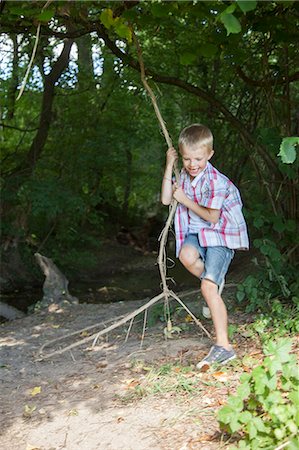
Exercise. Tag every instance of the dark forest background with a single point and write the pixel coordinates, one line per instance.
(82, 155)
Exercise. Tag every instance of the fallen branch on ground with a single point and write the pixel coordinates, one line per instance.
(94, 337)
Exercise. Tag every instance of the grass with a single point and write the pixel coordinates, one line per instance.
(177, 380)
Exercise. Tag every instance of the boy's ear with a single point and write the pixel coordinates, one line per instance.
(210, 154)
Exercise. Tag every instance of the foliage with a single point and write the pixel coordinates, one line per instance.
(281, 320)
(264, 411)
(288, 149)
(273, 279)
(101, 162)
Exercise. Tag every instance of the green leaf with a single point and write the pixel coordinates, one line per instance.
(160, 9)
(231, 23)
(236, 403)
(225, 414)
(245, 417)
(124, 31)
(258, 222)
(257, 243)
(106, 18)
(293, 396)
(230, 9)
(235, 425)
(240, 296)
(243, 390)
(278, 224)
(293, 445)
(259, 424)
(187, 58)
(208, 50)
(25, 11)
(252, 430)
(247, 5)
(46, 15)
(279, 349)
(288, 149)
(260, 378)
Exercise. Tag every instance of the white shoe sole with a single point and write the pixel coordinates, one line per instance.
(206, 312)
(207, 364)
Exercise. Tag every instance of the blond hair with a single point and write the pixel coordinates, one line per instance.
(196, 134)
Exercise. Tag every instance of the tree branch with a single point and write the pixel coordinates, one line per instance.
(266, 82)
(195, 90)
(23, 130)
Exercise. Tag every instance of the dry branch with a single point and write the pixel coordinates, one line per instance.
(96, 336)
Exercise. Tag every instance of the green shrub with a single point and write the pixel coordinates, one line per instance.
(264, 411)
(274, 279)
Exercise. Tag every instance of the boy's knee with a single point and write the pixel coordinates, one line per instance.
(188, 256)
(208, 288)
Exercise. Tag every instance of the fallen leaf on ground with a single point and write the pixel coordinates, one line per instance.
(28, 410)
(36, 390)
(131, 383)
(84, 334)
(120, 419)
(188, 318)
(208, 437)
(221, 376)
(32, 447)
(204, 368)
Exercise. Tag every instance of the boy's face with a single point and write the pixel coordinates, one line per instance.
(195, 158)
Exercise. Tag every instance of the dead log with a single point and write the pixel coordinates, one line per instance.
(55, 287)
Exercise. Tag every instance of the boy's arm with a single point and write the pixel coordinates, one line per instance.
(167, 187)
(208, 214)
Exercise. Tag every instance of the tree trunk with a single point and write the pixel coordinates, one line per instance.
(11, 95)
(12, 212)
(85, 64)
(51, 79)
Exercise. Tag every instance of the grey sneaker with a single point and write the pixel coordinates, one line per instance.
(217, 355)
(205, 309)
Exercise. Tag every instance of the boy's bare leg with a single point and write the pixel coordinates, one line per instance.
(189, 257)
(218, 311)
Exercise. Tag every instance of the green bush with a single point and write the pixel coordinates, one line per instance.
(265, 410)
(274, 279)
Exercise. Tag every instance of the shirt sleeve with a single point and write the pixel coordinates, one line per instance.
(214, 194)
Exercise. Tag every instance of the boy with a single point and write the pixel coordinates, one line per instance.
(209, 226)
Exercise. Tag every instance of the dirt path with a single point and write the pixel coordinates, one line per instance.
(112, 396)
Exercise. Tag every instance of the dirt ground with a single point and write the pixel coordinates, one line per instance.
(101, 397)
(116, 394)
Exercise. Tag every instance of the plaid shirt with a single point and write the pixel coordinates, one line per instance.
(212, 190)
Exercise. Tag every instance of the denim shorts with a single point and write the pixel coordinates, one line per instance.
(216, 259)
